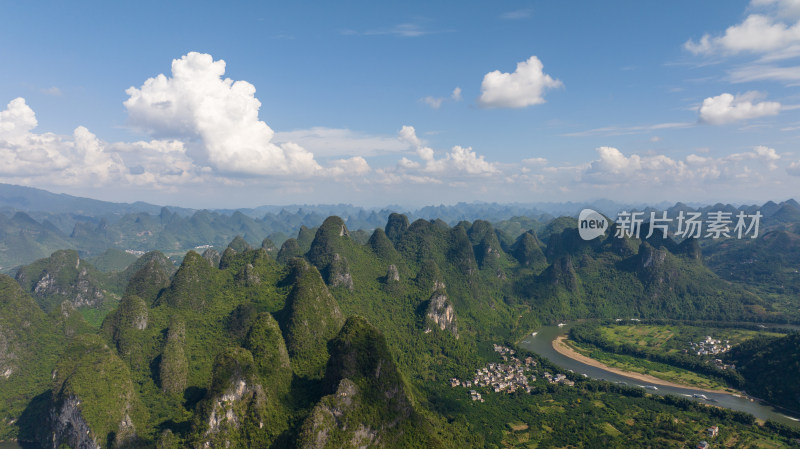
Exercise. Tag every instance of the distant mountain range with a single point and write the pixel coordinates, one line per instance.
(34, 223)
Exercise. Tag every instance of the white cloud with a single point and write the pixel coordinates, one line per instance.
(694, 172)
(433, 102)
(763, 153)
(535, 161)
(625, 130)
(400, 30)
(727, 108)
(458, 162)
(436, 102)
(781, 8)
(757, 34)
(329, 142)
(62, 160)
(759, 72)
(462, 160)
(408, 135)
(52, 91)
(218, 118)
(18, 118)
(793, 168)
(354, 166)
(525, 87)
(772, 31)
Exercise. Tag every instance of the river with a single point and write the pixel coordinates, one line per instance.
(542, 344)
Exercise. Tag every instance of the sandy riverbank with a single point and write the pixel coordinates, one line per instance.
(562, 348)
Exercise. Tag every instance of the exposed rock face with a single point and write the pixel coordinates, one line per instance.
(7, 356)
(212, 256)
(441, 313)
(653, 267)
(62, 276)
(69, 427)
(247, 276)
(392, 275)
(93, 397)
(331, 240)
(225, 417)
(234, 412)
(367, 403)
(339, 273)
(329, 415)
(652, 257)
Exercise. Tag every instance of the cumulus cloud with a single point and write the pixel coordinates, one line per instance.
(727, 108)
(217, 117)
(459, 161)
(348, 167)
(79, 158)
(456, 95)
(408, 135)
(767, 155)
(614, 167)
(525, 87)
(757, 34)
(771, 31)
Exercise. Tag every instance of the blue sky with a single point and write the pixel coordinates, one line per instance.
(240, 104)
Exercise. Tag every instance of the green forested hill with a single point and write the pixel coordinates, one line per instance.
(341, 343)
(769, 367)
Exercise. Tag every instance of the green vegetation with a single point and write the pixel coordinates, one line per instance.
(758, 360)
(173, 368)
(313, 318)
(112, 260)
(65, 277)
(346, 339)
(766, 363)
(90, 371)
(643, 366)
